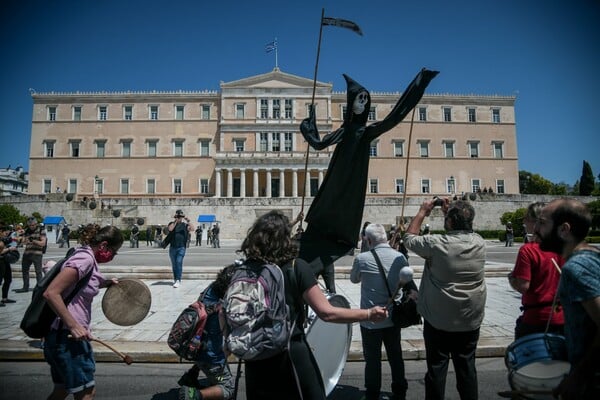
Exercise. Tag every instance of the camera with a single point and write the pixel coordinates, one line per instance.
(437, 202)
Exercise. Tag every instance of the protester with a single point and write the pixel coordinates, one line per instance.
(67, 348)
(65, 232)
(212, 362)
(536, 277)
(8, 254)
(135, 236)
(177, 239)
(216, 231)
(199, 235)
(149, 236)
(35, 242)
(452, 296)
(269, 240)
(374, 292)
(562, 227)
(510, 235)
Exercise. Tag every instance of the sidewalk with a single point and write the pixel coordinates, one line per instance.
(146, 341)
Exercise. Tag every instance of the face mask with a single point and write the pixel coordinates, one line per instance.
(104, 255)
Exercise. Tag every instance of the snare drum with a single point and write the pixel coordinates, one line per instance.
(330, 343)
(537, 362)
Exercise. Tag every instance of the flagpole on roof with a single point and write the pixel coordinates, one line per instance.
(276, 49)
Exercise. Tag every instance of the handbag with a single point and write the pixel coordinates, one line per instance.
(11, 256)
(404, 311)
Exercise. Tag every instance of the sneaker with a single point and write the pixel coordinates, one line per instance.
(188, 380)
(6, 301)
(176, 284)
(22, 290)
(188, 393)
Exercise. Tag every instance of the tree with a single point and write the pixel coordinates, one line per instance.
(516, 218)
(587, 182)
(9, 214)
(534, 183)
(594, 207)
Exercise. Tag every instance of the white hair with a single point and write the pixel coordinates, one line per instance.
(376, 234)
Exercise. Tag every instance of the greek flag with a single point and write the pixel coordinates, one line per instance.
(272, 46)
(343, 23)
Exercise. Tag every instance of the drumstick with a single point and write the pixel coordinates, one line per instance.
(514, 394)
(126, 358)
(556, 265)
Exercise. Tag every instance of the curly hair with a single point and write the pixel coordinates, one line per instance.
(93, 235)
(269, 239)
(220, 284)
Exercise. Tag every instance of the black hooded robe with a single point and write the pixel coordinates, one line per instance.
(334, 217)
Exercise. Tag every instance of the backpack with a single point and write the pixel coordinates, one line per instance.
(256, 313)
(39, 316)
(186, 337)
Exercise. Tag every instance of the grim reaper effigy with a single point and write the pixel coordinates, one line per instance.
(334, 217)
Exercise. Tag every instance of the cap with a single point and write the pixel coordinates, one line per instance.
(179, 214)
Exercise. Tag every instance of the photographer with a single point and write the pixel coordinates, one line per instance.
(177, 240)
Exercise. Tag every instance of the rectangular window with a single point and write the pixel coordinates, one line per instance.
(102, 113)
(276, 108)
(264, 141)
(154, 113)
(372, 114)
(178, 148)
(74, 148)
(238, 145)
(239, 111)
(399, 185)
(475, 185)
(77, 113)
(289, 108)
(72, 186)
(204, 186)
(425, 186)
(205, 111)
(49, 149)
(51, 113)
(264, 108)
(126, 149)
(447, 114)
(344, 110)
(276, 142)
(373, 149)
(449, 149)
(179, 112)
(47, 186)
(398, 149)
(500, 186)
(288, 143)
(373, 186)
(422, 113)
(424, 148)
(151, 186)
(450, 185)
(498, 150)
(204, 148)
(124, 186)
(100, 148)
(177, 185)
(99, 186)
(473, 149)
(496, 115)
(127, 113)
(152, 145)
(471, 114)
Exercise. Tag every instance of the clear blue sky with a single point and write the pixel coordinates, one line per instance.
(546, 52)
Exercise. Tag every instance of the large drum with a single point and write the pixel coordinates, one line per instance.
(537, 362)
(127, 303)
(329, 343)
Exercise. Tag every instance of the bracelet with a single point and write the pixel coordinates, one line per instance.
(368, 314)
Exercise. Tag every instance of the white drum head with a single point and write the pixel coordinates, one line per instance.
(127, 303)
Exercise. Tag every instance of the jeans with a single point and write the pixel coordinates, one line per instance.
(27, 260)
(176, 254)
(439, 347)
(371, 342)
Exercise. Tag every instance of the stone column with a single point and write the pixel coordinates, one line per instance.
(281, 183)
(268, 183)
(255, 183)
(320, 177)
(294, 182)
(242, 182)
(307, 184)
(229, 183)
(217, 182)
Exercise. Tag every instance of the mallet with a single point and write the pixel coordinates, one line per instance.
(126, 358)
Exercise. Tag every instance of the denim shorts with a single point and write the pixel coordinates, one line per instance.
(72, 363)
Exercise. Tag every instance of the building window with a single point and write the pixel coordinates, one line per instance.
(264, 108)
(238, 145)
(205, 111)
(424, 148)
(289, 107)
(177, 185)
(449, 149)
(264, 141)
(47, 186)
(51, 113)
(471, 114)
(72, 186)
(498, 150)
(239, 111)
(127, 113)
(99, 186)
(178, 148)
(447, 114)
(152, 147)
(422, 113)
(288, 143)
(500, 186)
(74, 144)
(276, 109)
(276, 142)
(372, 114)
(100, 148)
(398, 149)
(154, 113)
(102, 113)
(204, 148)
(473, 149)
(373, 186)
(425, 187)
(204, 186)
(475, 185)
(399, 185)
(344, 110)
(49, 149)
(124, 186)
(150, 186)
(373, 149)
(451, 185)
(126, 149)
(77, 113)
(179, 112)
(496, 115)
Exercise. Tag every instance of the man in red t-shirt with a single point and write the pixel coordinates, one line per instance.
(536, 277)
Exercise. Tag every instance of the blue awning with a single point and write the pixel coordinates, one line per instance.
(54, 220)
(207, 218)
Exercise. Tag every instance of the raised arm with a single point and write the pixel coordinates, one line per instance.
(309, 130)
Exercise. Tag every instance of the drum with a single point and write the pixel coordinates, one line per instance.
(537, 362)
(330, 343)
(127, 303)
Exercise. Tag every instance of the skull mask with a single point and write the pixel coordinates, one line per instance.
(359, 103)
